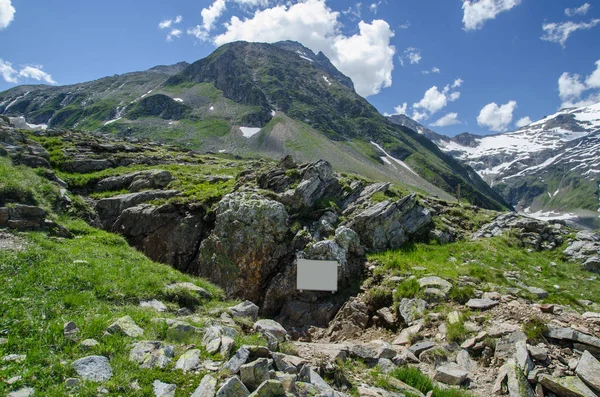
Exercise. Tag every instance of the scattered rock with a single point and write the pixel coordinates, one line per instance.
(464, 361)
(187, 286)
(189, 361)
(125, 326)
(420, 347)
(89, 344)
(410, 310)
(349, 322)
(435, 282)
(450, 375)
(151, 354)
(239, 358)
(207, 387)
(94, 368)
(522, 357)
(538, 353)
(163, 389)
(569, 386)
(245, 309)
(233, 387)
(588, 370)
(269, 388)
(255, 373)
(271, 327)
(70, 330)
(154, 304)
(22, 392)
(407, 333)
(481, 304)
(72, 382)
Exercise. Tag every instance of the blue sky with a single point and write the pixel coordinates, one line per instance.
(477, 66)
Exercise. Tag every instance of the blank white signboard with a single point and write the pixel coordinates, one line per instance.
(316, 275)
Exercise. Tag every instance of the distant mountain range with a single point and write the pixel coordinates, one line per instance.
(548, 169)
(254, 99)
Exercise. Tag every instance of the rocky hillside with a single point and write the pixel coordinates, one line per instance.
(547, 169)
(434, 298)
(254, 99)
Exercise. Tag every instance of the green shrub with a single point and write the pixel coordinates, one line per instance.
(456, 332)
(461, 295)
(379, 297)
(534, 329)
(407, 289)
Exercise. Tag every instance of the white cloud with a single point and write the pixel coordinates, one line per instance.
(30, 72)
(593, 80)
(457, 83)
(7, 13)
(9, 74)
(401, 109)
(354, 11)
(212, 13)
(571, 88)
(522, 122)
(405, 25)
(413, 55)
(36, 73)
(252, 3)
(578, 10)
(374, 7)
(447, 120)
(560, 32)
(366, 57)
(165, 24)
(433, 101)
(418, 116)
(497, 118)
(434, 70)
(168, 23)
(174, 33)
(477, 12)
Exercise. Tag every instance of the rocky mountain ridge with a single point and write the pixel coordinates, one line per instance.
(254, 99)
(548, 168)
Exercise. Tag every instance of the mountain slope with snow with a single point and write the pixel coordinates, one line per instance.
(549, 168)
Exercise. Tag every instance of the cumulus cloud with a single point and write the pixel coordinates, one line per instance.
(496, 118)
(457, 83)
(366, 57)
(7, 13)
(572, 87)
(29, 72)
(447, 120)
(522, 122)
(570, 12)
(433, 101)
(477, 12)
(9, 74)
(400, 109)
(560, 32)
(211, 14)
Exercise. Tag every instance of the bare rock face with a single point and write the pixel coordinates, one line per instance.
(318, 181)
(109, 209)
(137, 181)
(169, 234)
(390, 224)
(350, 321)
(245, 249)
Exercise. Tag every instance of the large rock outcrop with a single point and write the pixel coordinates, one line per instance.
(245, 249)
(169, 233)
(390, 224)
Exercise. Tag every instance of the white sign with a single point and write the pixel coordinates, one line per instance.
(313, 275)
